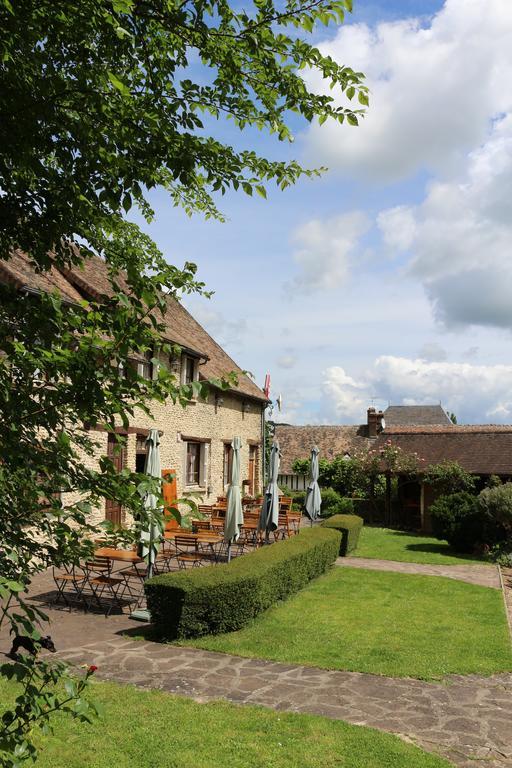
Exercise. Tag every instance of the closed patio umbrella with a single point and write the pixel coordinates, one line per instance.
(313, 501)
(234, 513)
(269, 516)
(152, 532)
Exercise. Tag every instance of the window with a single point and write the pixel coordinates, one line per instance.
(140, 453)
(188, 370)
(227, 463)
(193, 467)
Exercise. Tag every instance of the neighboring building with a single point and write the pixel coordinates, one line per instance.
(195, 441)
(415, 415)
(482, 450)
(297, 442)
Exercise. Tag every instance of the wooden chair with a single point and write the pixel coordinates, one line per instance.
(183, 553)
(98, 577)
(201, 525)
(72, 578)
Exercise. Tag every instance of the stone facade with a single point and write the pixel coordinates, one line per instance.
(213, 424)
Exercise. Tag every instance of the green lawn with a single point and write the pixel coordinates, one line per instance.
(383, 623)
(151, 729)
(406, 547)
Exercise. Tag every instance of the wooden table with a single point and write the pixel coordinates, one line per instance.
(203, 537)
(121, 555)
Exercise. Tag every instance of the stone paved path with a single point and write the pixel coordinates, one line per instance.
(484, 575)
(467, 719)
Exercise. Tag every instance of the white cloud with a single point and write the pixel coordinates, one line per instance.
(324, 249)
(470, 391)
(398, 227)
(346, 395)
(460, 237)
(434, 89)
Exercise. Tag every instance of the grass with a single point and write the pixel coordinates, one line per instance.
(406, 547)
(152, 729)
(383, 623)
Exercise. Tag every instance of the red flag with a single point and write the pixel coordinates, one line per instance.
(266, 388)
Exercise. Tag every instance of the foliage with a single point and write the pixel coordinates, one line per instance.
(341, 507)
(225, 598)
(101, 102)
(348, 477)
(449, 477)
(350, 527)
(330, 499)
(216, 733)
(465, 525)
(380, 623)
(496, 504)
(408, 547)
(452, 417)
(38, 700)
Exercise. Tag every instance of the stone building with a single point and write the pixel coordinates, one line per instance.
(195, 441)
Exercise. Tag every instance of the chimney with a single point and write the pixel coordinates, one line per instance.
(374, 422)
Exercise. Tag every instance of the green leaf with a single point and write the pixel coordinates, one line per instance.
(117, 83)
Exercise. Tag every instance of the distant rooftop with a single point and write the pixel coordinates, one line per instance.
(415, 415)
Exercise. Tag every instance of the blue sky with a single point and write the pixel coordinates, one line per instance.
(389, 277)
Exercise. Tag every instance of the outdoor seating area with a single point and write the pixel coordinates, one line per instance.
(114, 577)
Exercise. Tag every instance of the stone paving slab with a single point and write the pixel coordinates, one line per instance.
(483, 575)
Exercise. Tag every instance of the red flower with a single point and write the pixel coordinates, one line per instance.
(92, 669)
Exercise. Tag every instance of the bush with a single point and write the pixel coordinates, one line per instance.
(341, 507)
(299, 499)
(464, 521)
(226, 597)
(330, 499)
(495, 503)
(350, 528)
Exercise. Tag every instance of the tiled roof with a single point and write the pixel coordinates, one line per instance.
(297, 442)
(92, 281)
(480, 449)
(402, 415)
(19, 272)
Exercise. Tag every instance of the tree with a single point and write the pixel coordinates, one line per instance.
(452, 417)
(101, 101)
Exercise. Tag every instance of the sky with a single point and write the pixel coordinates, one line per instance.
(388, 280)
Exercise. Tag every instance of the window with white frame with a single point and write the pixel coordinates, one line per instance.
(196, 463)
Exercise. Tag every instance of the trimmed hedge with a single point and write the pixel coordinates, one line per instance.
(350, 527)
(226, 597)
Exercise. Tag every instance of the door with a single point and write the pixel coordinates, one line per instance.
(170, 494)
(117, 455)
(253, 465)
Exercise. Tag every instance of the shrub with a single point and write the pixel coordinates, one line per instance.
(299, 499)
(495, 503)
(350, 528)
(330, 499)
(464, 521)
(342, 507)
(449, 477)
(226, 597)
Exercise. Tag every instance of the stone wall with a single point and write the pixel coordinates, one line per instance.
(211, 422)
